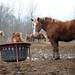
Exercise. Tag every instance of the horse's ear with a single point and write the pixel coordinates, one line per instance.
(46, 18)
(32, 19)
(38, 19)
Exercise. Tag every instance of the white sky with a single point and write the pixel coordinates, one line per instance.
(60, 9)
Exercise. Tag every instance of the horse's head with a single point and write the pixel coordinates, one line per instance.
(40, 23)
(1, 33)
(36, 24)
(16, 37)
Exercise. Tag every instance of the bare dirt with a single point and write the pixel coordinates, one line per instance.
(42, 62)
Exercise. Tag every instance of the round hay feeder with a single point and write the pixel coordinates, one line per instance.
(15, 51)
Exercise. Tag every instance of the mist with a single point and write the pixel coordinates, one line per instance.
(60, 9)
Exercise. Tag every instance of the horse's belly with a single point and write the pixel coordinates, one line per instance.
(66, 38)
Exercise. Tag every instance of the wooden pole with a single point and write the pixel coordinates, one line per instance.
(29, 54)
(17, 54)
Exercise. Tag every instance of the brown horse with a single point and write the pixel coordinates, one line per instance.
(16, 37)
(1, 33)
(56, 31)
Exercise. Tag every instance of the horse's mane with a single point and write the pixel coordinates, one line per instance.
(51, 19)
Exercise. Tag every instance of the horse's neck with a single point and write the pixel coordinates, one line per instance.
(47, 22)
(44, 26)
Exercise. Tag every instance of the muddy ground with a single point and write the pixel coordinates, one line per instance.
(42, 62)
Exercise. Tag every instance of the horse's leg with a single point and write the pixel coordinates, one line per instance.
(33, 39)
(56, 54)
(38, 40)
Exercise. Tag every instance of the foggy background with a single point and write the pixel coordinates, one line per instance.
(15, 15)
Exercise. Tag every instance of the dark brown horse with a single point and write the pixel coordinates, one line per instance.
(56, 31)
(29, 37)
(38, 37)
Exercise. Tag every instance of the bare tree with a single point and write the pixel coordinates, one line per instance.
(8, 22)
(31, 10)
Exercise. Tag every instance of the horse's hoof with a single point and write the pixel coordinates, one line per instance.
(56, 58)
